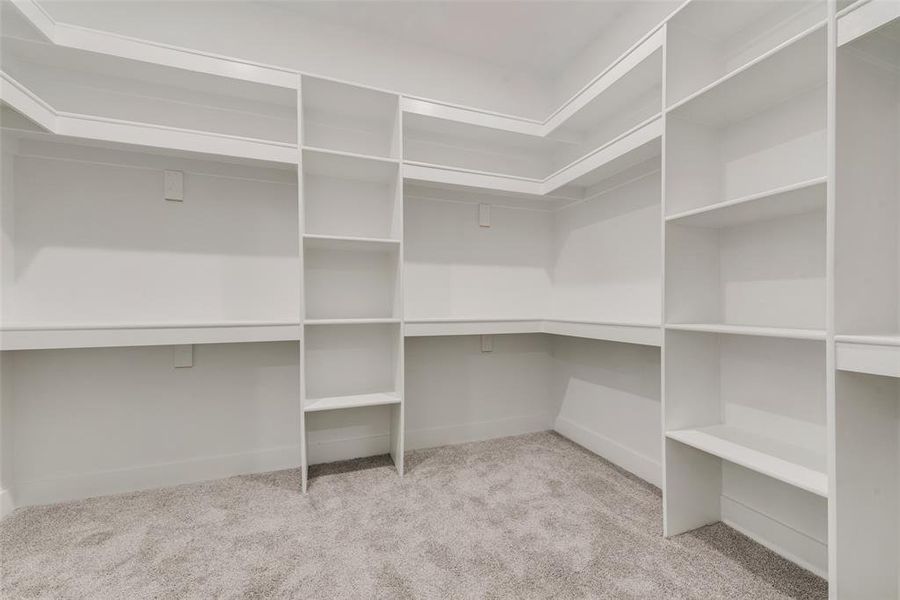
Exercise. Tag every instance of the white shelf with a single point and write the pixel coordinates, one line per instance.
(365, 321)
(343, 242)
(775, 332)
(352, 401)
(633, 333)
(871, 354)
(39, 337)
(348, 165)
(421, 327)
(645, 334)
(799, 198)
(794, 67)
(867, 16)
(796, 466)
(632, 147)
(147, 135)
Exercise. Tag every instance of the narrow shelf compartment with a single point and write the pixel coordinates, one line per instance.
(764, 274)
(709, 40)
(348, 118)
(43, 337)
(351, 279)
(116, 100)
(760, 130)
(808, 196)
(351, 360)
(773, 332)
(793, 465)
(746, 420)
(871, 354)
(348, 195)
(351, 401)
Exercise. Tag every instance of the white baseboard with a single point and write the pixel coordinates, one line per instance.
(476, 432)
(797, 547)
(86, 485)
(326, 451)
(6, 503)
(643, 466)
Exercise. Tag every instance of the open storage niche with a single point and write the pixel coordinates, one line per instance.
(727, 267)
(867, 495)
(104, 92)
(453, 267)
(708, 39)
(351, 359)
(623, 211)
(867, 223)
(347, 118)
(351, 279)
(738, 407)
(755, 133)
(90, 239)
(348, 196)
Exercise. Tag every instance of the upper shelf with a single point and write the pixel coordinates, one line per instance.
(875, 16)
(348, 118)
(708, 39)
(100, 97)
(795, 67)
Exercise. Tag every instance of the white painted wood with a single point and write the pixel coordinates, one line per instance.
(869, 356)
(780, 461)
(350, 401)
(865, 18)
(774, 332)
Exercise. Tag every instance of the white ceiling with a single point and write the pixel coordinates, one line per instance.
(540, 36)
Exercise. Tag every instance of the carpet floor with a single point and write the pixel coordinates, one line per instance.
(532, 516)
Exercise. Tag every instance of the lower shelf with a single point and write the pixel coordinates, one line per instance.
(45, 337)
(871, 354)
(353, 401)
(796, 466)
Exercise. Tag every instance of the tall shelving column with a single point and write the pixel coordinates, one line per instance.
(866, 394)
(352, 226)
(746, 274)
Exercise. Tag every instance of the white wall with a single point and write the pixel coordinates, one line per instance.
(611, 401)
(456, 268)
(99, 421)
(277, 36)
(607, 255)
(457, 393)
(230, 248)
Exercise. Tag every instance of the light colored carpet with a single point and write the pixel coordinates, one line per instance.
(531, 516)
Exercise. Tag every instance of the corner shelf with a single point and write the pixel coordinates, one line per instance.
(793, 465)
(351, 401)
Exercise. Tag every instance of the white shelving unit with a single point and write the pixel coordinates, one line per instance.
(720, 206)
(866, 493)
(352, 347)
